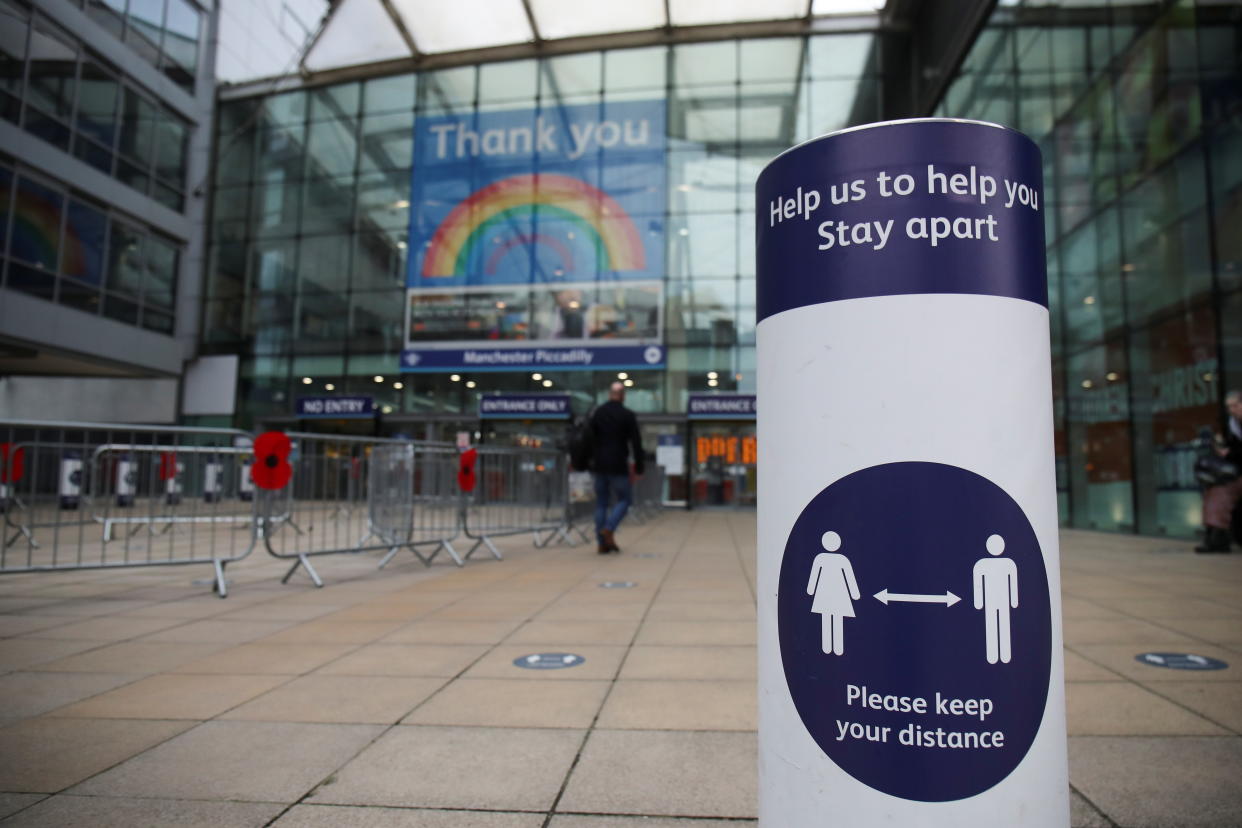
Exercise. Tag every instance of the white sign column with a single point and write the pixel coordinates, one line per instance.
(909, 595)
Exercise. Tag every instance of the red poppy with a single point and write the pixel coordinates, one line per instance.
(168, 465)
(271, 469)
(12, 463)
(465, 472)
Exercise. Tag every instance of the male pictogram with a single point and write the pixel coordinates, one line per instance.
(996, 592)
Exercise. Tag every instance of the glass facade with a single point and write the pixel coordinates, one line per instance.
(311, 213)
(65, 247)
(59, 90)
(164, 33)
(1135, 107)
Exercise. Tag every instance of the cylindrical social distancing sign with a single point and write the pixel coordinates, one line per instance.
(126, 481)
(213, 480)
(909, 612)
(70, 481)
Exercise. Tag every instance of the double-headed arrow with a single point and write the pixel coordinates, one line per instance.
(948, 599)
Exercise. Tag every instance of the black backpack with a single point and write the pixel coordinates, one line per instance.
(582, 442)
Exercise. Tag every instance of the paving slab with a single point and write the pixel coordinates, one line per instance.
(339, 699)
(273, 659)
(555, 634)
(700, 633)
(48, 754)
(107, 812)
(1160, 783)
(1116, 708)
(513, 703)
(644, 822)
(1218, 701)
(321, 631)
(25, 653)
(457, 767)
(133, 656)
(172, 696)
(672, 662)
(12, 803)
(246, 761)
(681, 705)
(665, 773)
(406, 660)
(31, 693)
(333, 816)
(452, 632)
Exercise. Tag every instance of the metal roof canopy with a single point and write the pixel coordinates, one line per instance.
(360, 38)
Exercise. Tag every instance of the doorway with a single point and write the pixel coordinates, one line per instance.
(723, 457)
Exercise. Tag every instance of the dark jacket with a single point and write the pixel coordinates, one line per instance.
(615, 429)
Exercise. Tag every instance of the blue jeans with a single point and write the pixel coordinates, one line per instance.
(609, 484)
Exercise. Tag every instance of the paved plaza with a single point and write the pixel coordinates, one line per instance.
(390, 698)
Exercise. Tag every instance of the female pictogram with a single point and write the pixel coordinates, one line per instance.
(833, 585)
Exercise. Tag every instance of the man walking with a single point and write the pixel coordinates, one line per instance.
(615, 432)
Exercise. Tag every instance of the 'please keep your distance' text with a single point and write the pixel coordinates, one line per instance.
(914, 733)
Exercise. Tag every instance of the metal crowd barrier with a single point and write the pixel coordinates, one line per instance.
(401, 483)
(66, 486)
(97, 495)
(648, 494)
(518, 490)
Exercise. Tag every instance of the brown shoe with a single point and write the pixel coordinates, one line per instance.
(610, 542)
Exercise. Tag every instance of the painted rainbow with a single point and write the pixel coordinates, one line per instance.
(603, 221)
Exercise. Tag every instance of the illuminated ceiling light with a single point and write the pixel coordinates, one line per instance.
(737, 377)
(683, 231)
(1209, 377)
(307, 380)
(455, 377)
(471, 384)
(500, 306)
(712, 375)
(623, 375)
(685, 188)
(398, 385)
(1088, 300)
(575, 304)
(1087, 383)
(1112, 376)
(387, 409)
(629, 383)
(401, 245)
(712, 383)
(400, 205)
(547, 383)
(378, 378)
(536, 377)
(329, 386)
(1127, 268)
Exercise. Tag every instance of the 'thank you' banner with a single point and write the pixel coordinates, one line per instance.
(537, 239)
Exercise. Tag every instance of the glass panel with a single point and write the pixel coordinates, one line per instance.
(144, 27)
(126, 260)
(162, 260)
(331, 148)
(110, 14)
(395, 94)
(636, 69)
(6, 212)
(508, 81)
(446, 91)
(772, 59)
(842, 55)
(324, 264)
(170, 141)
(572, 78)
(1176, 380)
(337, 102)
(387, 141)
(181, 33)
(327, 205)
(98, 95)
(86, 231)
(1226, 161)
(138, 119)
(13, 34)
(322, 321)
(705, 63)
(53, 69)
(1101, 473)
(36, 226)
